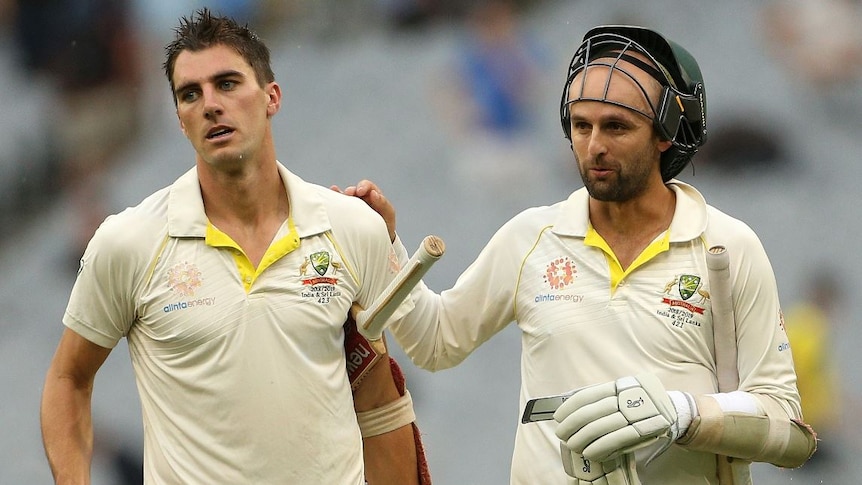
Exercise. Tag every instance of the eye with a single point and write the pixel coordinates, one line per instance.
(616, 126)
(188, 96)
(580, 126)
(227, 84)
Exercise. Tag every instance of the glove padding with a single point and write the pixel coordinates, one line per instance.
(619, 471)
(603, 421)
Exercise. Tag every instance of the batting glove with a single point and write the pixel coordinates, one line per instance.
(619, 471)
(603, 421)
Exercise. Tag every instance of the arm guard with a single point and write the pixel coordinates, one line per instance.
(774, 438)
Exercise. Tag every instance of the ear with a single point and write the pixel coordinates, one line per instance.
(273, 92)
(664, 145)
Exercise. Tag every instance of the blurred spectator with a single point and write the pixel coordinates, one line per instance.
(88, 51)
(819, 43)
(489, 98)
(809, 328)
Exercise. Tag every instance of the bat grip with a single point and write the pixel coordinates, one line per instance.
(723, 321)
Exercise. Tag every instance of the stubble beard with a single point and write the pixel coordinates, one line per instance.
(624, 184)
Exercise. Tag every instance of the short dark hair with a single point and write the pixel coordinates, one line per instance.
(204, 30)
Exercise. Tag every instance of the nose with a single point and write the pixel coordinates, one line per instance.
(212, 103)
(596, 145)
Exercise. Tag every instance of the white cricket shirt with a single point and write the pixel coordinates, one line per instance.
(240, 370)
(586, 321)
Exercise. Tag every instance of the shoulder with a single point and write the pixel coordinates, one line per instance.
(346, 212)
(537, 217)
(319, 209)
(725, 229)
(133, 233)
(523, 230)
(695, 217)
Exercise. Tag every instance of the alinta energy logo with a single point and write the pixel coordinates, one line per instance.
(183, 280)
(560, 273)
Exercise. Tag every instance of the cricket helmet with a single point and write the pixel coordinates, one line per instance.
(679, 114)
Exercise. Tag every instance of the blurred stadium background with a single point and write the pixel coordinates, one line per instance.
(367, 90)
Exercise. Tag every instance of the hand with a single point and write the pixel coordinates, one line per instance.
(604, 421)
(373, 196)
(620, 471)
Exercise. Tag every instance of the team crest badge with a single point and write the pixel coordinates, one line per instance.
(688, 285)
(320, 262)
(679, 310)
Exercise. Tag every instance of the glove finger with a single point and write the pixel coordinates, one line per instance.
(586, 472)
(653, 426)
(583, 416)
(584, 396)
(611, 444)
(595, 430)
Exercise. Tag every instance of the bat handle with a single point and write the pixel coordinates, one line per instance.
(374, 320)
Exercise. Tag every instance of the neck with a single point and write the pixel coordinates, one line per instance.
(650, 212)
(249, 196)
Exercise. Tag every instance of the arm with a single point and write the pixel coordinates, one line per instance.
(762, 421)
(390, 457)
(759, 422)
(67, 427)
(442, 330)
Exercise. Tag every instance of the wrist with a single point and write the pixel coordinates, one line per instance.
(686, 411)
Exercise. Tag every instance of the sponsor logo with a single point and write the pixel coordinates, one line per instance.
(182, 305)
(560, 273)
(553, 297)
(183, 280)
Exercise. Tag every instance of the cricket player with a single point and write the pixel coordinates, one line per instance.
(232, 287)
(612, 293)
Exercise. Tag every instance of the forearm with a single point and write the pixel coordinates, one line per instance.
(767, 434)
(67, 430)
(444, 329)
(390, 457)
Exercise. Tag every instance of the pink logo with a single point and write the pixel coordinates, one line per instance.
(184, 278)
(560, 273)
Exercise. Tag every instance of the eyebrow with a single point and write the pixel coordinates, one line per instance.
(214, 78)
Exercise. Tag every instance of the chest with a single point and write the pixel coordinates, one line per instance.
(197, 293)
(566, 299)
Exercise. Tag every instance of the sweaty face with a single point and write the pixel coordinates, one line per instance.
(616, 147)
(221, 108)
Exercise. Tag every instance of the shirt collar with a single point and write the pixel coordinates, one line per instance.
(689, 217)
(187, 218)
